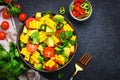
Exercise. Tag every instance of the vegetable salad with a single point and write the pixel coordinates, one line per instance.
(47, 41)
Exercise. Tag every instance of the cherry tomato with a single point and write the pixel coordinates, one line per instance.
(28, 22)
(5, 14)
(5, 25)
(49, 67)
(32, 47)
(8, 1)
(22, 17)
(18, 6)
(2, 35)
(48, 52)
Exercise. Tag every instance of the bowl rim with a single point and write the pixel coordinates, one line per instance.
(29, 65)
(83, 19)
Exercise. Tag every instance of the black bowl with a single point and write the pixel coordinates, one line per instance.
(31, 66)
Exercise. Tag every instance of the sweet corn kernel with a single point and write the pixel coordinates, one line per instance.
(60, 59)
(73, 38)
(67, 27)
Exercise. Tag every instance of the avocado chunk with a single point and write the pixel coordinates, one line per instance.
(49, 31)
(50, 42)
(58, 18)
(66, 52)
(38, 66)
(38, 15)
(25, 29)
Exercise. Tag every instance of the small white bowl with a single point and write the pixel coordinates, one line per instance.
(81, 19)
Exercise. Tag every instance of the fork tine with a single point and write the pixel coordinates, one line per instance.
(89, 58)
(85, 58)
(83, 61)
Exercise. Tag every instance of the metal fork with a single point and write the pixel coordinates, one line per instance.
(81, 63)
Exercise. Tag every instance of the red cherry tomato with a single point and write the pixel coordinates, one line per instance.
(2, 35)
(48, 52)
(32, 47)
(22, 17)
(28, 21)
(18, 6)
(8, 1)
(5, 25)
(5, 14)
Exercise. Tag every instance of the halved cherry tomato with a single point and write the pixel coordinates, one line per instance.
(32, 47)
(28, 22)
(5, 25)
(18, 6)
(2, 35)
(5, 14)
(22, 17)
(48, 52)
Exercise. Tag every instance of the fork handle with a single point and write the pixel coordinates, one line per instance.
(73, 75)
(71, 78)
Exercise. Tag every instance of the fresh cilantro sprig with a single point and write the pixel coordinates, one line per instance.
(14, 11)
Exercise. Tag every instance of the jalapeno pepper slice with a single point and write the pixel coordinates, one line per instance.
(62, 10)
(87, 12)
(85, 5)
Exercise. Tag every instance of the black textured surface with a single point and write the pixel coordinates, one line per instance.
(100, 35)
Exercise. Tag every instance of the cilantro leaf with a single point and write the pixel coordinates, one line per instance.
(35, 37)
(68, 34)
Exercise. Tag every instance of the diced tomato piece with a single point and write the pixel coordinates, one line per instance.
(58, 32)
(76, 14)
(81, 1)
(82, 13)
(32, 47)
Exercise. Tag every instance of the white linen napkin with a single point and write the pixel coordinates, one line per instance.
(12, 32)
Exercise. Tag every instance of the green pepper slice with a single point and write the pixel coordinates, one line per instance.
(87, 12)
(72, 7)
(59, 26)
(85, 5)
(43, 27)
(62, 10)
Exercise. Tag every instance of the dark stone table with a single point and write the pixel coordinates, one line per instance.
(100, 35)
